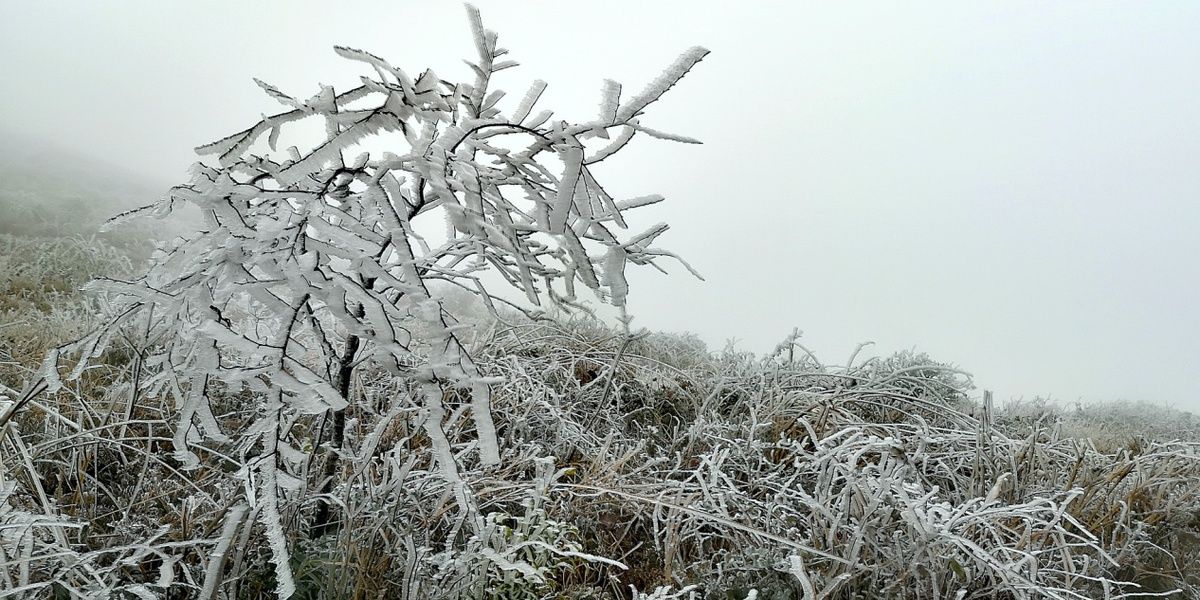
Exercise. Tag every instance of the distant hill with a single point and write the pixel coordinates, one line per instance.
(47, 190)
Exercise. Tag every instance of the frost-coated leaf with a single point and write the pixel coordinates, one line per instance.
(528, 101)
(435, 413)
(662, 83)
(481, 406)
(49, 371)
(492, 99)
(610, 98)
(572, 157)
(622, 139)
(126, 217)
(539, 119)
(639, 201)
(478, 33)
(274, 92)
(644, 239)
(217, 558)
(141, 591)
(614, 274)
(662, 135)
(525, 569)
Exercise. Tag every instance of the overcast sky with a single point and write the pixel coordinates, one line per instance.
(1011, 187)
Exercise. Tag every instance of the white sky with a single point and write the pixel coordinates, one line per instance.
(1008, 186)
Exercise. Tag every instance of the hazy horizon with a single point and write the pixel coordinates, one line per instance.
(1008, 187)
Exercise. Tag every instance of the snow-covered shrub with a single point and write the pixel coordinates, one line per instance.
(313, 263)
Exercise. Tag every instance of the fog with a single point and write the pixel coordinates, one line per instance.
(1011, 187)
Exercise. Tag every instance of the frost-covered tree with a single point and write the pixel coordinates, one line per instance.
(309, 264)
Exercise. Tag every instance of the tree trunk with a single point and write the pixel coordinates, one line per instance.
(324, 522)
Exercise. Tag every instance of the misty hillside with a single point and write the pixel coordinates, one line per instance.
(50, 190)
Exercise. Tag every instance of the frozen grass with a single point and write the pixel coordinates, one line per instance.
(641, 466)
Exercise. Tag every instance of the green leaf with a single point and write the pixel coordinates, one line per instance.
(958, 569)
